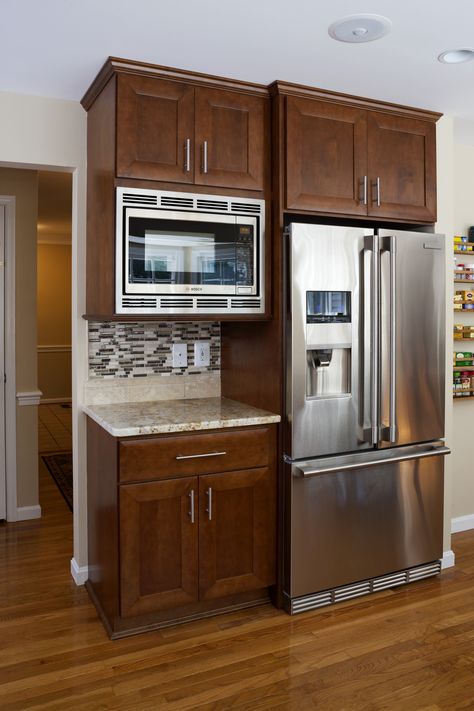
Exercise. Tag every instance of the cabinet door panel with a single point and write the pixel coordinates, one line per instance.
(237, 539)
(402, 154)
(326, 161)
(232, 125)
(159, 546)
(155, 118)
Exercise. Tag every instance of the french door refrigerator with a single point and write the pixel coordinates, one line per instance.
(364, 421)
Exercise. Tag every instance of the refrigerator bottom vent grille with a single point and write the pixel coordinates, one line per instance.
(348, 592)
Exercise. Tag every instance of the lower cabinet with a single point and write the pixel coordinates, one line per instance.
(181, 544)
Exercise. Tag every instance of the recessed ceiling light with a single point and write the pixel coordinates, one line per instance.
(456, 56)
(360, 28)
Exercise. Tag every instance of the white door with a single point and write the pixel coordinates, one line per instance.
(3, 506)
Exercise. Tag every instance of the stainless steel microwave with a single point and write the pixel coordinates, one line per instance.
(186, 253)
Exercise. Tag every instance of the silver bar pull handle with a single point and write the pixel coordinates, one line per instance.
(435, 451)
(204, 157)
(371, 244)
(187, 155)
(363, 197)
(191, 505)
(389, 433)
(376, 199)
(209, 503)
(199, 456)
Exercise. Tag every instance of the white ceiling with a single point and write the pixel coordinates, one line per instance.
(55, 47)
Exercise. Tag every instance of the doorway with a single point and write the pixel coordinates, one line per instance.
(54, 331)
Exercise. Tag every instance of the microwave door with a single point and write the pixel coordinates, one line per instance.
(174, 253)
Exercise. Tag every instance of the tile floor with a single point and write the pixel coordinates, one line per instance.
(54, 428)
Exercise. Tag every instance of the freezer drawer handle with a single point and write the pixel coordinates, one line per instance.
(199, 456)
(435, 452)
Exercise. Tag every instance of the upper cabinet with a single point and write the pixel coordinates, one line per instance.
(173, 131)
(341, 158)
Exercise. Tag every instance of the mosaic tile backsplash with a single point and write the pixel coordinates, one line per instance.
(133, 350)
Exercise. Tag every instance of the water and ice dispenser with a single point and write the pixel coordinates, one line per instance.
(328, 344)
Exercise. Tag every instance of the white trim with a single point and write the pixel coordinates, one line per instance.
(29, 398)
(54, 400)
(54, 349)
(10, 367)
(448, 560)
(462, 523)
(26, 513)
(79, 574)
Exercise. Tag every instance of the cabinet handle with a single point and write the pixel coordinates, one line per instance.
(363, 198)
(187, 155)
(209, 503)
(377, 192)
(191, 505)
(198, 456)
(204, 157)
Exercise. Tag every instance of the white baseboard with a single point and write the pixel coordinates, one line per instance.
(25, 513)
(448, 560)
(462, 523)
(79, 574)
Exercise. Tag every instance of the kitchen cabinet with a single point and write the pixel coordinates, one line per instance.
(180, 525)
(344, 159)
(173, 131)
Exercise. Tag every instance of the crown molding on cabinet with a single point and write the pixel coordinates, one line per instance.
(115, 65)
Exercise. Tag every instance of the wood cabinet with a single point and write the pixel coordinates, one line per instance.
(186, 534)
(175, 132)
(344, 159)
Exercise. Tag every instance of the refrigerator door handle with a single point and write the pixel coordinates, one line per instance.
(388, 433)
(370, 380)
(308, 471)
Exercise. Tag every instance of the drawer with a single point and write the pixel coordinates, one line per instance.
(184, 455)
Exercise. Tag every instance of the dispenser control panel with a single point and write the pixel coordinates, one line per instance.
(328, 307)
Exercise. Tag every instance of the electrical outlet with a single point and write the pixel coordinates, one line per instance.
(202, 353)
(180, 355)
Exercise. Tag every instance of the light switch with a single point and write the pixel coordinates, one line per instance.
(180, 355)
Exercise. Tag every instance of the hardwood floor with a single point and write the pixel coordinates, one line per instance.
(411, 649)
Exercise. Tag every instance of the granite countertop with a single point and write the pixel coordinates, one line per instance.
(163, 416)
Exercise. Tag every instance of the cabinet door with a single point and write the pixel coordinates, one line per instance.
(402, 155)
(155, 129)
(158, 545)
(236, 532)
(326, 157)
(230, 140)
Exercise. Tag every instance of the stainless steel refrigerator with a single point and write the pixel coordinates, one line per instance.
(365, 381)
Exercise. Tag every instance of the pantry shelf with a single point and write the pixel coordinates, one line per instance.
(466, 253)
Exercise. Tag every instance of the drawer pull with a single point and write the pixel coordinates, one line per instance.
(199, 456)
(191, 505)
(209, 503)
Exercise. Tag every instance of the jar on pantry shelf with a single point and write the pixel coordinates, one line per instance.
(466, 383)
(457, 384)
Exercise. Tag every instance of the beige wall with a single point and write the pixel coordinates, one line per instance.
(50, 133)
(23, 184)
(54, 320)
(463, 456)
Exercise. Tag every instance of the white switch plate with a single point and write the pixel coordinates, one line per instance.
(180, 355)
(202, 353)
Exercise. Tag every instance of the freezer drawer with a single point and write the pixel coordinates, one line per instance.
(364, 515)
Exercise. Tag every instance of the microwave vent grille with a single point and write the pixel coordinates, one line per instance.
(245, 207)
(222, 205)
(144, 302)
(170, 201)
(245, 303)
(212, 303)
(139, 199)
(176, 302)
